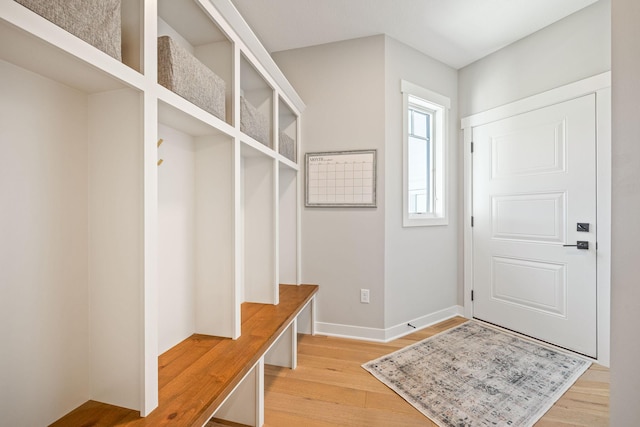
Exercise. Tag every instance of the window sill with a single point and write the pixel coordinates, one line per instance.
(424, 221)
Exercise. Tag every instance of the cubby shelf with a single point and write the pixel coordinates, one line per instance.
(65, 63)
(131, 255)
(287, 132)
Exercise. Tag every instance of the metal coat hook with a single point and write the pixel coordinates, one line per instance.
(160, 141)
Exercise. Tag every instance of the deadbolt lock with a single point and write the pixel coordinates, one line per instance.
(583, 227)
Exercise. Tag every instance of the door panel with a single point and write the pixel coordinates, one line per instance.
(535, 285)
(534, 179)
(529, 151)
(529, 217)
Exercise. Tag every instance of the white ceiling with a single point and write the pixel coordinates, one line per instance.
(456, 32)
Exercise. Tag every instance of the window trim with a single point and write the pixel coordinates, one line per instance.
(440, 106)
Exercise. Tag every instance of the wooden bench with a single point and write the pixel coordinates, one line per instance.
(205, 376)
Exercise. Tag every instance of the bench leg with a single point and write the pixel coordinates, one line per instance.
(284, 351)
(260, 393)
(245, 404)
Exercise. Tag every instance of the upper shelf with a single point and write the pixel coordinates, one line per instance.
(287, 132)
(199, 55)
(180, 114)
(36, 44)
(212, 31)
(192, 21)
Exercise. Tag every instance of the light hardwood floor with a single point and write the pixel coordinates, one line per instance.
(330, 388)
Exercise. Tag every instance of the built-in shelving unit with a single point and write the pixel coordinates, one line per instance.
(135, 217)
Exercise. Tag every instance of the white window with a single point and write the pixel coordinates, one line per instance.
(424, 166)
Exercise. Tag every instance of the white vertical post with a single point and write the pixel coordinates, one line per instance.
(149, 386)
(294, 343)
(300, 197)
(260, 392)
(276, 231)
(149, 58)
(275, 128)
(237, 199)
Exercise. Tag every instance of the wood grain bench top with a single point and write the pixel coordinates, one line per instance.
(198, 374)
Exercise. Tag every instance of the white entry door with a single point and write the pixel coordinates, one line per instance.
(534, 192)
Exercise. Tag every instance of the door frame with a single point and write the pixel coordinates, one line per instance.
(600, 85)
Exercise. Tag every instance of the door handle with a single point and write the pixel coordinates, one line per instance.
(580, 244)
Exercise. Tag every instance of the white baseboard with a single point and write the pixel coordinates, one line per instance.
(389, 334)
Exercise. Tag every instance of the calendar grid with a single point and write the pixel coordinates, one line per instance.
(343, 178)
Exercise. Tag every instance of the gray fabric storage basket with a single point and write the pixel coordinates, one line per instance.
(97, 22)
(287, 147)
(182, 73)
(253, 123)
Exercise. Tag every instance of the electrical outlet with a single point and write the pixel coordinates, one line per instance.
(364, 296)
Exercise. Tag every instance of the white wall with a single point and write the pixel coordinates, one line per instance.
(625, 292)
(352, 92)
(564, 52)
(288, 215)
(420, 262)
(342, 85)
(115, 246)
(44, 309)
(176, 238)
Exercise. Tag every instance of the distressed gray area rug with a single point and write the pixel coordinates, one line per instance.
(477, 375)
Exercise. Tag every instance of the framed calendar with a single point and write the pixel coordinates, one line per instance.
(341, 179)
